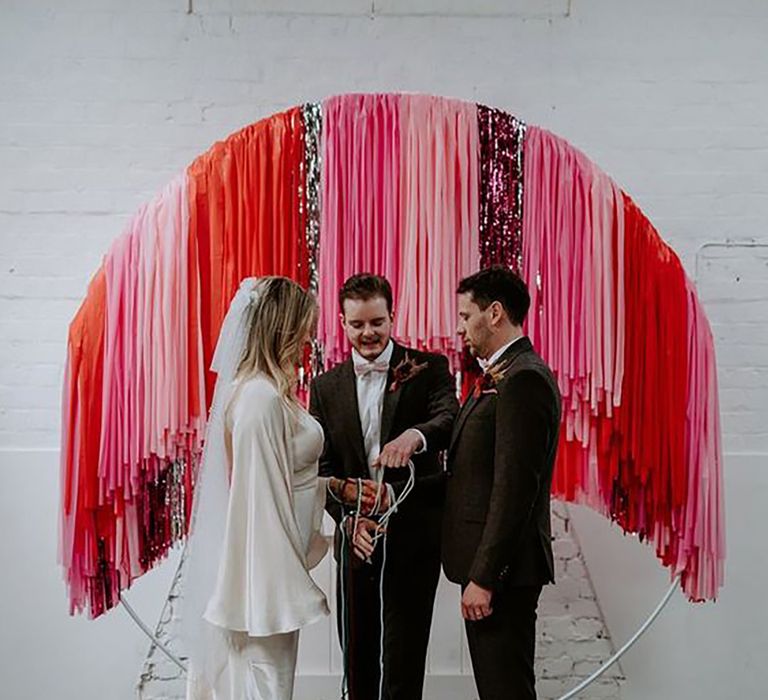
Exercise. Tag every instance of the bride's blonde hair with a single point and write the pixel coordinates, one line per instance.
(283, 315)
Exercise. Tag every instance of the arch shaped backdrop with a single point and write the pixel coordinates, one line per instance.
(424, 190)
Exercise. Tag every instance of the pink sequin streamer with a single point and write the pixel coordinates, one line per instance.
(501, 188)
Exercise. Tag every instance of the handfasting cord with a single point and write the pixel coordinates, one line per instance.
(344, 572)
(380, 533)
(344, 631)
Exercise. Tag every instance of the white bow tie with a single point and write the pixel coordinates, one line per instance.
(365, 368)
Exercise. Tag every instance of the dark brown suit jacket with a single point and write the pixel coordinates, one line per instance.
(496, 530)
(426, 402)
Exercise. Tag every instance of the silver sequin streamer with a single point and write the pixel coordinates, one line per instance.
(312, 127)
(177, 499)
(313, 122)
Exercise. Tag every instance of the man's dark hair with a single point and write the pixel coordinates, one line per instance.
(498, 284)
(366, 286)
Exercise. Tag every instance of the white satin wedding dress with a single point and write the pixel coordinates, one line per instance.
(263, 591)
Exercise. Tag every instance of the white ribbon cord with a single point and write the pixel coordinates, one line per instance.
(381, 613)
(343, 596)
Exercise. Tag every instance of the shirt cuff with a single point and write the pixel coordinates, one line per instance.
(423, 447)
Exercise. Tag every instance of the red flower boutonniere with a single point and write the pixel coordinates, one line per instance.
(406, 370)
(487, 381)
(484, 384)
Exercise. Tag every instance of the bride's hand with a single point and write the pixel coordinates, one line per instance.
(362, 542)
(346, 490)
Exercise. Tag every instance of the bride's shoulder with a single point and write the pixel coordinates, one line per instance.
(256, 397)
(259, 388)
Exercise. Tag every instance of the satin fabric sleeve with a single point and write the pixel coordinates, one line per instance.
(318, 543)
(263, 585)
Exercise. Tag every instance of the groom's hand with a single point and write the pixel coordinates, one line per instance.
(398, 452)
(476, 602)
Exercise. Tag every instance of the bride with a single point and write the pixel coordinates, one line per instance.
(258, 505)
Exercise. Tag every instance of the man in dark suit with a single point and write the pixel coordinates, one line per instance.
(384, 406)
(496, 532)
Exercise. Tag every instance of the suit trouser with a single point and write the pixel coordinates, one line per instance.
(502, 646)
(410, 583)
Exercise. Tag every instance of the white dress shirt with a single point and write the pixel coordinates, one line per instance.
(486, 364)
(371, 388)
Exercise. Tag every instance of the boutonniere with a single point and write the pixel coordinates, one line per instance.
(406, 370)
(487, 381)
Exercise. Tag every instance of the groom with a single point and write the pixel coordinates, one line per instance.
(496, 533)
(384, 406)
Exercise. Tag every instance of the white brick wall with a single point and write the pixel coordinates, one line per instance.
(101, 102)
(733, 283)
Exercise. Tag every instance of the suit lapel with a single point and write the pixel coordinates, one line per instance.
(464, 412)
(347, 398)
(391, 398)
(513, 352)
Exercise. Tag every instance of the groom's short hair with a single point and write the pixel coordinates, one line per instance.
(498, 284)
(366, 286)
